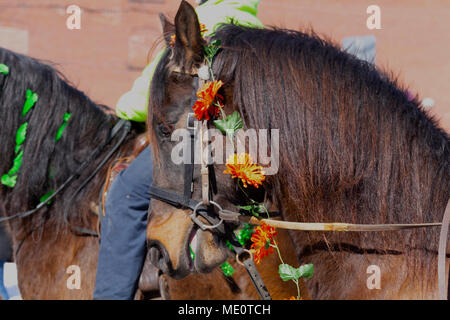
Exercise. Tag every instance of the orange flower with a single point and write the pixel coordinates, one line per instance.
(203, 28)
(204, 108)
(262, 239)
(173, 38)
(293, 298)
(242, 167)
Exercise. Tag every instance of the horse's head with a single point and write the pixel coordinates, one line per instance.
(171, 233)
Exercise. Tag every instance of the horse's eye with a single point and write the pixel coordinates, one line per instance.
(166, 129)
(179, 77)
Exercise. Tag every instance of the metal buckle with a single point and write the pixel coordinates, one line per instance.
(190, 121)
(200, 223)
(228, 215)
(238, 255)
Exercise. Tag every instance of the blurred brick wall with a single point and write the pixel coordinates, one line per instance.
(107, 54)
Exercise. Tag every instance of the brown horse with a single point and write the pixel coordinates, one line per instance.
(44, 245)
(353, 148)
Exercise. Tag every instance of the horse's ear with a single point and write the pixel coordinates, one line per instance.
(168, 28)
(189, 41)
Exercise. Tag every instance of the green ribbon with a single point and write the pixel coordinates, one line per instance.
(21, 135)
(10, 179)
(63, 126)
(46, 196)
(58, 136)
(4, 69)
(32, 97)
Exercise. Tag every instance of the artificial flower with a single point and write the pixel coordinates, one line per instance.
(203, 28)
(205, 107)
(293, 298)
(173, 38)
(242, 167)
(262, 239)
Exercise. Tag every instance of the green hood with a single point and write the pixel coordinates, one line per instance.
(133, 105)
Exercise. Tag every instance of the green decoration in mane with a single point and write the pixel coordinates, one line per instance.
(4, 69)
(63, 126)
(29, 102)
(46, 196)
(10, 179)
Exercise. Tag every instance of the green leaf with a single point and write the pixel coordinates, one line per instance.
(227, 269)
(4, 69)
(254, 209)
(306, 271)
(230, 124)
(288, 272)
(229, 245)
(212, 48)
(245, 234)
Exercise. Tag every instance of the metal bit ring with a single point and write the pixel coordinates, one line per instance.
(243, 251)
(199, 223)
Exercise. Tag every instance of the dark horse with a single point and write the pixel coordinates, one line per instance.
(353, 148)
(44, 245)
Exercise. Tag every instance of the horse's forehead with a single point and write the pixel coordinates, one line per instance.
(179, 98)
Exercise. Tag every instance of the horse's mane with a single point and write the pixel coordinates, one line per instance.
(46, 163)
(353, 148)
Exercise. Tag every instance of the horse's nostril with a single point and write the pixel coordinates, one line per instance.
(157, 259)
(154, 255)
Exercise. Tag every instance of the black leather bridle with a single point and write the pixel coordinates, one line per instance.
(207, 212)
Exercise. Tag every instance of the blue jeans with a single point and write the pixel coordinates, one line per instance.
(123, 232)
(3, 292)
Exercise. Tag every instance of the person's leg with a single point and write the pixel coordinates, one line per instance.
(123, 231)
(3, 292)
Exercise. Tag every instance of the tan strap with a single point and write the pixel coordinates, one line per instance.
(443, 237)
(204, 168)
(319, 226)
